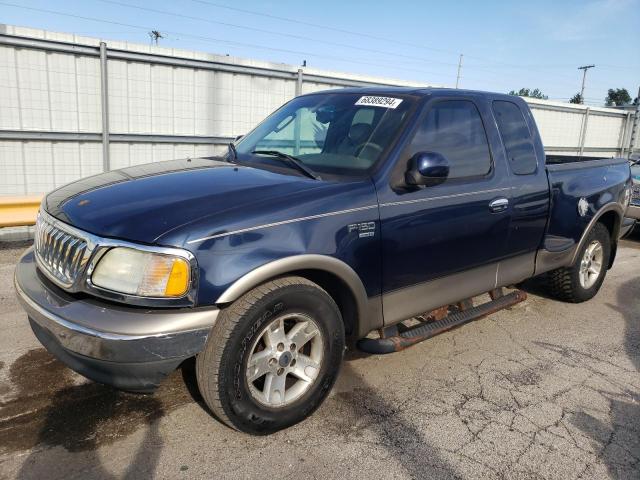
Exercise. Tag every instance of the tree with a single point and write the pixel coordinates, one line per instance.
(525, 92)
(618, 97)
(577, 98)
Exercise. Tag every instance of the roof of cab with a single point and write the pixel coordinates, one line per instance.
(416, 91)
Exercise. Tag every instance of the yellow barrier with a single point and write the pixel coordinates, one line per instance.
(19, 211)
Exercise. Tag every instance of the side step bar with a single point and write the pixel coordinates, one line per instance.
(439, 321)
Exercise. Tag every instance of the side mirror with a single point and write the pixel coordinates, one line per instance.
(427, 169)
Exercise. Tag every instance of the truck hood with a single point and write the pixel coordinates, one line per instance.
(145, 202)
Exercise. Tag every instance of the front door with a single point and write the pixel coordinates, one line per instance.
(442, 243)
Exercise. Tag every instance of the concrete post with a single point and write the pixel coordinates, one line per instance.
(622, 146)
(583, 132)
(635, 127)
(104, 96)
(299, 83)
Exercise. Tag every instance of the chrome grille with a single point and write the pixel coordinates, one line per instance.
(61, 255)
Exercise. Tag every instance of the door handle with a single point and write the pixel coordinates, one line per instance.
(499, 205)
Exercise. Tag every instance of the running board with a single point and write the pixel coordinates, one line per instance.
(439, 321)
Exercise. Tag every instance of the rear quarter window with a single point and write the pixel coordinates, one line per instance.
(516, 137)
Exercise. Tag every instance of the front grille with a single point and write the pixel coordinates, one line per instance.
(61, 254)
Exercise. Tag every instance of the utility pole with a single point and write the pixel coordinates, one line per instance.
(584, 77)
(154, 35)
(459, 70)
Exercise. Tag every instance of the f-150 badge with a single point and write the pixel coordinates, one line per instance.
(365, 229)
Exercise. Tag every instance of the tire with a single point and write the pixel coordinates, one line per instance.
(565, 283)
(246, 330)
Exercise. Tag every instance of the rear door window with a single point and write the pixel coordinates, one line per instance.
(516, 137)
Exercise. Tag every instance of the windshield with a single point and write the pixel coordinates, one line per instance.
(335, 133)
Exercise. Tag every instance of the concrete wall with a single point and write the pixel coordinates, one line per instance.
(570, 129)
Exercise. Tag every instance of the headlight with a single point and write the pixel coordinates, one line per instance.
(145, 274)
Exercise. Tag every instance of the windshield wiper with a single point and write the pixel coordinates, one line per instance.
(233, 157)
(291, 160)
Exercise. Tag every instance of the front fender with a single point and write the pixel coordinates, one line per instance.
(368, 311)
(343, 244)
(287, 265)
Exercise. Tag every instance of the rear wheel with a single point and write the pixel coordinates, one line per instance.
(582, 280)
(272, 356)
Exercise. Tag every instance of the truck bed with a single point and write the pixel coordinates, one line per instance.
(594, 181)
(557, 163)
(561, 159)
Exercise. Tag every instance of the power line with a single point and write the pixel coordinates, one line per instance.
(345, 31)
(528, 68)
(300, 37)
(216, 40)
(228, 42)
(566, 66)
(272, 32)
(316, 25)
(297, 21)
(630, 67)
(263, 47)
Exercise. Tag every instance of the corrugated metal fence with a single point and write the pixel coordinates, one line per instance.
(73, 106)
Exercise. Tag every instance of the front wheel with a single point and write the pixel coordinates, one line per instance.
(272, 356)
(582, 280)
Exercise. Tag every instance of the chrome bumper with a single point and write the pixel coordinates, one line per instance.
(107, 332)
(633, 212)
(627, 226)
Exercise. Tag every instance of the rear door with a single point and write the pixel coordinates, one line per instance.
(442, 243)
(530, 194)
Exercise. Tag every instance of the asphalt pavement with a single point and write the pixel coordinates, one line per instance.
(543, 390)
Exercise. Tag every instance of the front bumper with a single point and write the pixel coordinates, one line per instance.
(627, 226)
(131, 348)
(633, 212)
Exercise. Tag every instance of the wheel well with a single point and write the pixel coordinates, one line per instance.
(339, 291)
(612, 223)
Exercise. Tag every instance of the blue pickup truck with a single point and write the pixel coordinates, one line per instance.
(339, 217)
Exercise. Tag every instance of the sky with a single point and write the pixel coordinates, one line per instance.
(506, 45)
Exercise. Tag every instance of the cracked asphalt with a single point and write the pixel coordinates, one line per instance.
(544, 390)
